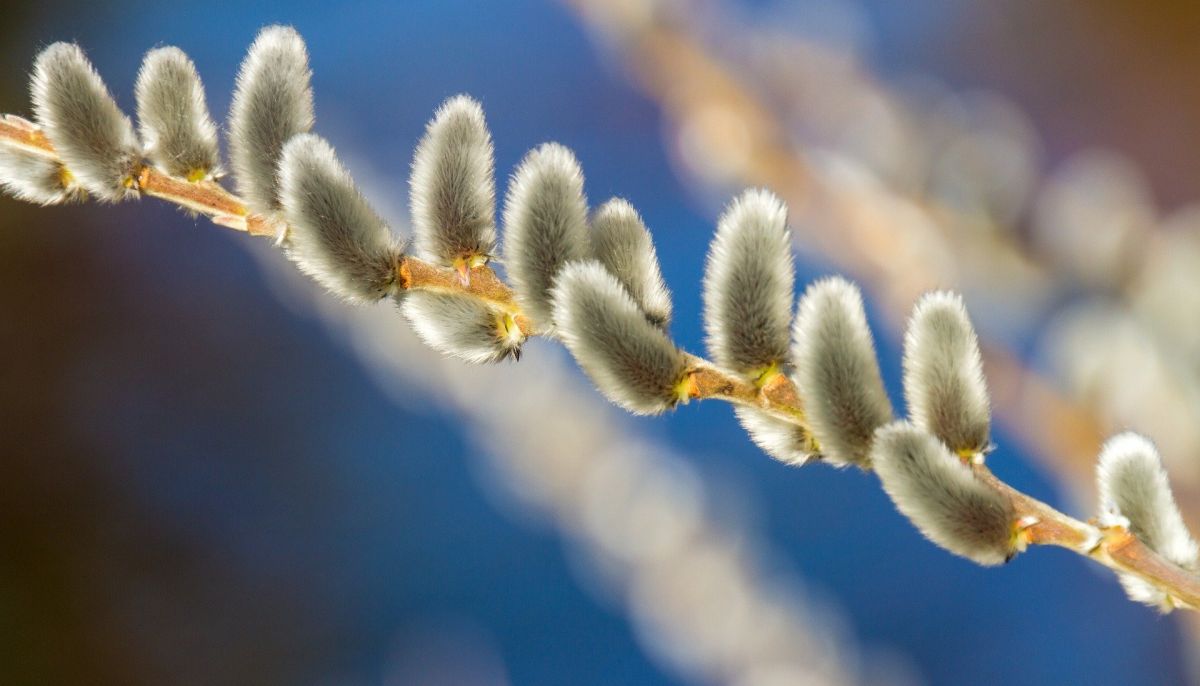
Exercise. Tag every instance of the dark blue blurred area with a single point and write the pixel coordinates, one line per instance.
(206, 487)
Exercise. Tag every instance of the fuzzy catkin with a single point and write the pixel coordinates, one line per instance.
(748, 285)
(629, 359)
(462, 326)
(272, 102)
(36, 178)
(837, 373)
(178, 133)
(335, 236)
(782, 440)
(1130, 478)
(943, 375)
(545, 226)
(941, 495)
(453, 186)
(1133, 485)
(94, 138)
(621, 242)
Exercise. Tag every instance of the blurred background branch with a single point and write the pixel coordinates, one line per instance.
(947, 205)
(910, 186)
(702, 595)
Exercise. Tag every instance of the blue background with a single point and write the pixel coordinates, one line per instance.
(202, 486)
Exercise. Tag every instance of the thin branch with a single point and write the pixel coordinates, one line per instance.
(1113, 547)
(481, 283)
(777, 397)
(207, 198)
(24, 134)
(210, 199)
(1037, 523)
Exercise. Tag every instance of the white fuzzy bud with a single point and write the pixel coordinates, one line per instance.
(177, 131)
(629, 359)
(837, 373)
(463, 326)
(335, 236)
(943, 376)
(748, 285)
(453, 186)
(781, 440)
(1134, 488)
(545, 225)
(942, 497)
(272, 102)
(622, 244)
(93, 137)
(36, 178)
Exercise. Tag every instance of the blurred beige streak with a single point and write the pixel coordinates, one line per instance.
(698, 595)
(730, 124)
(898, 243)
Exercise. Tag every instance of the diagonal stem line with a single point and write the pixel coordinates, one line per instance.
(1114, 548)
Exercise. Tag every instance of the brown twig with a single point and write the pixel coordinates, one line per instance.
(1113, 547)
(483, 283)
(24, 134)
(210, 199)
(1040, 524)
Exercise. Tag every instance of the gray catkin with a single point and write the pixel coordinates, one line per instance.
(782, 440)
(453, 186)
(748, 285)
(272, 102)
(941, 495)
(335, 236)
(36, 178)
(545, 226)
(178, 133)
(1133, 485)
(623, 245)
(837, 373)
(629, 359)
(95, 140)
(462, 326)
(943, 375)
(621, 242)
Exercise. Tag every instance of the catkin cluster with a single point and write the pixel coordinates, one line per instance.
(588, 278)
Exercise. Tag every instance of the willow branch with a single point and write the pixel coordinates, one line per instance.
(777, 395)
(1113, 547)
(1037, 523)
(223, 208)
